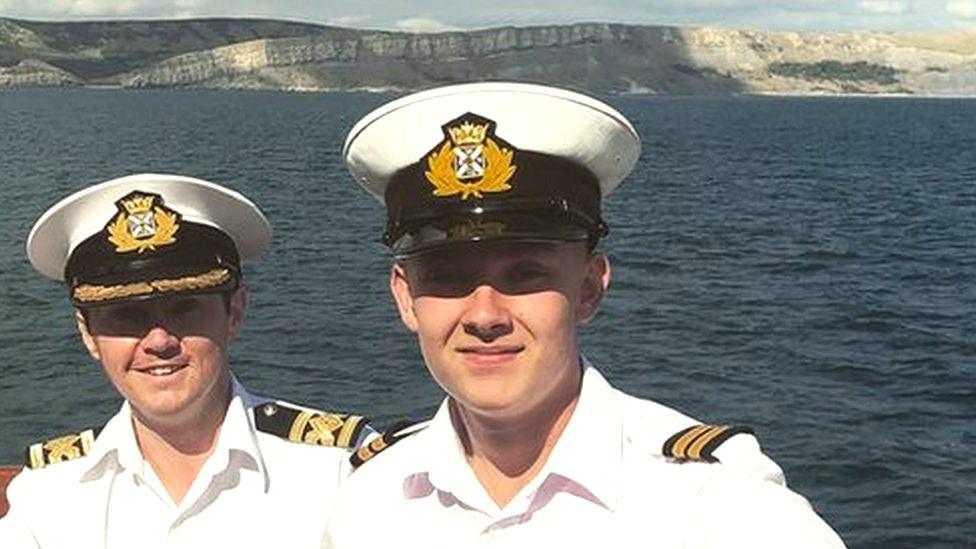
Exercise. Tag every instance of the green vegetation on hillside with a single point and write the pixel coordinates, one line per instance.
(860, 71)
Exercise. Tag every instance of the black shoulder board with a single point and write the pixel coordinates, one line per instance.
(63, 448)
(699, 442)
(308, 426)
(392, 435)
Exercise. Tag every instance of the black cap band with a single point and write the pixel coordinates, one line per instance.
(550, 198)
(202, 259)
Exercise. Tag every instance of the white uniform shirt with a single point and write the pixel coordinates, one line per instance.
(605, 484)
(255, 490)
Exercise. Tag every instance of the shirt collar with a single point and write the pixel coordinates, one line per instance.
(116, 443)
(590, 448)
(447, 465)
(238, 439)
(115, 446)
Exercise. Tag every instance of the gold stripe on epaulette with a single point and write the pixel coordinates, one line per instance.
(297, 431)
(36, 456)
(694, 450)
(699, 442)
(315, 428)
(366, 452)
(392, 435)
(87, 439)
(348, 430)
(680, 446)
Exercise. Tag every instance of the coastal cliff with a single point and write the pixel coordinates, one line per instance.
(601, 58)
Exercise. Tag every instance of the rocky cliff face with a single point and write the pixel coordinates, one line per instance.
(928, 63)
(606, 58)
(597, 57)
(31, 73)
(96, 51)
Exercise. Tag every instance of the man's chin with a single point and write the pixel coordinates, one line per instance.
(166, 412)
(166, 407)
(498, 404)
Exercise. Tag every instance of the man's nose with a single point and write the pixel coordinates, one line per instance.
(161, 342)
(487, 316)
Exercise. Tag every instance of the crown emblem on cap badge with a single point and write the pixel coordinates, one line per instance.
(143, 223)
(468, 133)
(469, 162)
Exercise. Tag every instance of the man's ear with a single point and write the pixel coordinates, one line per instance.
(86, 336)
(595, 283)
(400, 288)
(235, 313)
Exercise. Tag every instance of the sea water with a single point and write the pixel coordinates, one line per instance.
(806, 266)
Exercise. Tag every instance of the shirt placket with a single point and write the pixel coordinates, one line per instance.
(154, 510)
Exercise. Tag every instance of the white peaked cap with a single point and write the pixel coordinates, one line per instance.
(530, 117)
(81, 215)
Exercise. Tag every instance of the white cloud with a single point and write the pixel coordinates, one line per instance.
(104, 7)
(84, 7)
(887, 7)
(189, 6)
(422, 24)
(347, 20)
(62, 9)
(962, 8)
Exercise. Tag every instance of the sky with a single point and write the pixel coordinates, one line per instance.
(441, 15)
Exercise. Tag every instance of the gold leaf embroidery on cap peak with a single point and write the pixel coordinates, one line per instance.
(490, 163)
(87, 293)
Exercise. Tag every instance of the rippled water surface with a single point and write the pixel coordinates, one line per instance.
(805, 266)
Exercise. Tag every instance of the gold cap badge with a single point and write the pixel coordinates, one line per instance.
(469, 162)
(143, 223)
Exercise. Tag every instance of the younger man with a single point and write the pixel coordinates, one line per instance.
(493, 198)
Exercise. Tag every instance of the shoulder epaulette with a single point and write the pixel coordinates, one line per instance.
(699, 442)
(309, 426)
(397, 432)
(63, 448)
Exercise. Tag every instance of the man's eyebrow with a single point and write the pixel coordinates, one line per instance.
(530, 262)
(442, 262)
(114, 310)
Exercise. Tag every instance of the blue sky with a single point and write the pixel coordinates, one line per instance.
(432, 15)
